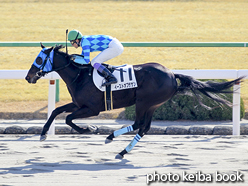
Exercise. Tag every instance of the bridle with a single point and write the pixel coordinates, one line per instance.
(42, 73)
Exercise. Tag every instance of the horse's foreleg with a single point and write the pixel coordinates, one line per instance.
(81, 113)
(65, 108)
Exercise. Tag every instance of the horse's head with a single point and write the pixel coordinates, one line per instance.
(42, 65)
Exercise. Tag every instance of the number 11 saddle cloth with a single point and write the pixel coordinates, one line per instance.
(125, 78)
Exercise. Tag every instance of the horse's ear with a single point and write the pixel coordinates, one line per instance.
(50, 49)
(42, 46)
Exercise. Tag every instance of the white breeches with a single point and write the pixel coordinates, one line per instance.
(115, 49)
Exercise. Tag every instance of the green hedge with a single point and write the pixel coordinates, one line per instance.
(185, 107)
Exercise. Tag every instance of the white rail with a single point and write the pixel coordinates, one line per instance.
(198, 74)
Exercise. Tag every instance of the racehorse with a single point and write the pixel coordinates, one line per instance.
(156, 85)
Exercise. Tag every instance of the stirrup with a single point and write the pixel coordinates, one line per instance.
(109, 82)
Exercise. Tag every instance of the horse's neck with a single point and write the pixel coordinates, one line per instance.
(66, 73)
(71, 72)
(69, 75)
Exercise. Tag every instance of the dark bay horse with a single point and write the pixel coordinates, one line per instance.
(156, 85)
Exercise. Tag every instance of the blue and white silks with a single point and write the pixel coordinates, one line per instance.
(79, 59)
(94, 43)
(47, 61)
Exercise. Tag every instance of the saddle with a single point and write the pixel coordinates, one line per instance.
(125, 79)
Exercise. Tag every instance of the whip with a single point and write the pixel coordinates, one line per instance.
(66, 41)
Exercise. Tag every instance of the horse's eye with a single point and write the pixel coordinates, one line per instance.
(39, 61)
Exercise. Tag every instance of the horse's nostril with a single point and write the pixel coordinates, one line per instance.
(27, 78)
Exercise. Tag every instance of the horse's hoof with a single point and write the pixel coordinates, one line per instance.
(92, 128)
(43, 137)
(118, 156)
(108, 141)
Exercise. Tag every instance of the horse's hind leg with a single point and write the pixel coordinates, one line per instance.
(143, 130)
(120, 132)
(140, 113)
(71, 107)
(139, 121)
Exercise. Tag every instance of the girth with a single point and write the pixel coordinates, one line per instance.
(108, 98)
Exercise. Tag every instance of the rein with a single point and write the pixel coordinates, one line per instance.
(74, 78)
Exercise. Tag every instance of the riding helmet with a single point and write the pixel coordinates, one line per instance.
(74, 34)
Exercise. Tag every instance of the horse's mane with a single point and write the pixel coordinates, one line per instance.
(58, 48)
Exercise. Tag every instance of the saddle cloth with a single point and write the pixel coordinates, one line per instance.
(125, 78)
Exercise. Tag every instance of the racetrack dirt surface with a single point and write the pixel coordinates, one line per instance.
(86, 160)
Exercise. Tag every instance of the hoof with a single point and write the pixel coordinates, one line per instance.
(43, 137)
(92, 128)
(118, 156)
(108, 141)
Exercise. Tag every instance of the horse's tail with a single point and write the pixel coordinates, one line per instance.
(209, 88)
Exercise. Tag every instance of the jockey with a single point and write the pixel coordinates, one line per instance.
(110, 47)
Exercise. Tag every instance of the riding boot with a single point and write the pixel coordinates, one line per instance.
(109, 77)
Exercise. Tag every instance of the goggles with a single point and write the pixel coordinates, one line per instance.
(73, 42)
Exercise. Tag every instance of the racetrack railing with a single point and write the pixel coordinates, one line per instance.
(136, 44)
(198, 74)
